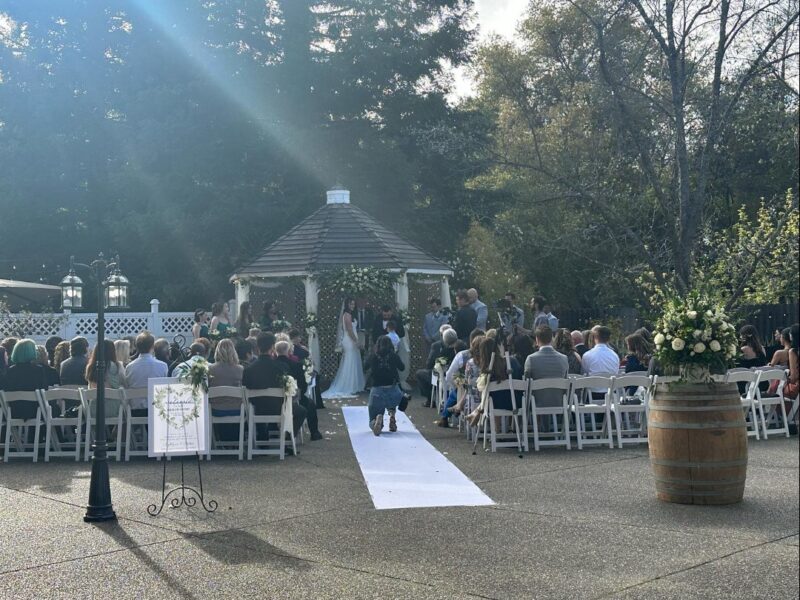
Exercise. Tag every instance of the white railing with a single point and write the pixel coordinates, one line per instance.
(67, 325)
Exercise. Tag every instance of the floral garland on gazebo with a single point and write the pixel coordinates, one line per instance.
(358, 280)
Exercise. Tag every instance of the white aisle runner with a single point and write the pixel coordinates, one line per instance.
(403, 470)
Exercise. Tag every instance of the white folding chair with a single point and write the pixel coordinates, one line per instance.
(771, 409)
(562, 437)
(748, 400)
(517, 415)
(441, 387)
(136, 441)
(625, 405)
(63, 397)
(115, 400)
(283, 420)
(215, 446)
(583, 405)
(17, 428)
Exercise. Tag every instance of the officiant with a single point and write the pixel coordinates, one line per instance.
(365, 318)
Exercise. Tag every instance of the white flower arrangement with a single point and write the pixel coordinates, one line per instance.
(289, 386)
(355, 280)
(694, 332)
(308, 369)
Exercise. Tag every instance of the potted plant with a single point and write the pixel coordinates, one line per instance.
(696, 428)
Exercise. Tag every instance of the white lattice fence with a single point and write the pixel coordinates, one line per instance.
(32, 325)
(176, 323)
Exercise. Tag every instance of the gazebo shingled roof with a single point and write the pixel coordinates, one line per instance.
(339, 234)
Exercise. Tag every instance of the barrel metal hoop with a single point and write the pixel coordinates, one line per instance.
(694, 408)
(708, 425)
(701, 482)
(711, 464)
(690, 493)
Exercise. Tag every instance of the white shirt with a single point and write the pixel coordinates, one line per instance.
(459, 362)
(601, 361)
(139, 371)
(392, 335)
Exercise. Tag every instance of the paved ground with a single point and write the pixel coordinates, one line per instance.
(568, 524)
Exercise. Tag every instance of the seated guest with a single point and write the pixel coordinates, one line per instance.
(497, 371)
(639, 354)
(8, 345)
(299, 350)
(466, 319)
(122, 349)
(266, 372)
(197, 352)
(385, 394)
(53, 378)
(462, 357)
(577, 342)
(562, 342)
(588, 339)
(50, 346)
(440, 349)
(3, 361)
(753, 354)
(145, 367)
(601, 360)
(547, 363)
(60, 354)
(73, 370)
(161, 351)
(284, 337)
(790, 390)
(114, 372)
(244, 350)
(24, 375)
(226, 371)
(282, 350)
(471, 374)
(459, 364)
(521, 347)
(781, 357)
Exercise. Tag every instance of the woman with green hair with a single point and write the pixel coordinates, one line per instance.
(24, 375)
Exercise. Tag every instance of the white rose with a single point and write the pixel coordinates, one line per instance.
(697, 333)
(699, 347)
(715, 347)
(678, 344)
(732, 350)
(692, 314)
(709, 313)
(659, 339)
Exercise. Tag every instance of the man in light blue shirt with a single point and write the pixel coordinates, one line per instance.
(433, 321)
(479, 307)
(552, 320)
(143, 368)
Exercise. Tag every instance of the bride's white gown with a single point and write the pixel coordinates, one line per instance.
(349, 380)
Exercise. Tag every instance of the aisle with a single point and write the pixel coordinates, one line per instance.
(403, 470)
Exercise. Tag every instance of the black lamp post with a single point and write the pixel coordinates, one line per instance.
(112, 286)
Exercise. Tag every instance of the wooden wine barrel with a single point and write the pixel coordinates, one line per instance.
(698, 443)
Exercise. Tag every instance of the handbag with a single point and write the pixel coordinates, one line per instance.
(403, 405)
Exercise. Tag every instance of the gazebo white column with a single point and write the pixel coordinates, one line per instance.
(312, 303)
(444, 291)
(401, 297)
(242, 292)
(401, 292)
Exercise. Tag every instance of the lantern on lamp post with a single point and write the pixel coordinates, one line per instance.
(71, 289)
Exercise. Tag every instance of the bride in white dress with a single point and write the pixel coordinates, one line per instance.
(349, 380)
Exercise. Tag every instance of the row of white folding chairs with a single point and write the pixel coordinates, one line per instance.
(79, 425)
(763, 411)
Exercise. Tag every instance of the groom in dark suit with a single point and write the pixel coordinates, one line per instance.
(365, 319)
(379, 327)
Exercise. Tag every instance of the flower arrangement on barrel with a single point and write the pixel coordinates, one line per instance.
(696, 429)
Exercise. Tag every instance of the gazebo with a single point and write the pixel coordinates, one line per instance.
(339, 235)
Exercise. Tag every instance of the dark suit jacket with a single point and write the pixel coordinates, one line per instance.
(301, 353)
(73, 370)
(26, 377)
(295, 369)
(378, 330)
(264, 372)
(465, 321)
(581, 349)
(439, 349)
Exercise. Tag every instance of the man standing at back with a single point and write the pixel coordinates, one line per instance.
(266, 372)
(466, 318)
(546, 363)
(140, 370)
(433, 321)
(481, 310)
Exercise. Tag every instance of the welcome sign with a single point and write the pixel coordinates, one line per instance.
(177, 416)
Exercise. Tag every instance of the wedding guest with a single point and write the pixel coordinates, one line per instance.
(518, 320)
(577, 342)
(387, 315)
(781, 357)
(552, 320)
(53, 378)
(3, 361)
(114, 371)
(265, 372)
(462, 358)
(385, 394)
(200, 327)
(434, 319)
(123, 351)
(753, 354)
(790, 389)
(588, 339)
(300, 351)
(646, 334)
(138, 371)
(521, 347)
(50, 346)
(466, 318)
(244, 350)
(225, 371)
(536, 313)
(73, 370)
(268, 314)
(481, 310)
(161, 351)
(443, 349)
(562, 342)
(497, 371)
(220, 317)
(548, 363)
(512, 319)
(253, 332)
(295, 369)
(60, 354)
(244, 320)
(471, 373)
(639, 353)
(365, 318)
(24, 375)
(459, 364)
(8, 344)
(181, 367)
(601, 360)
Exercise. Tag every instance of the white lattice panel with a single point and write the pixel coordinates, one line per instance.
(176, 324)
(32, 325)
(115, 326)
